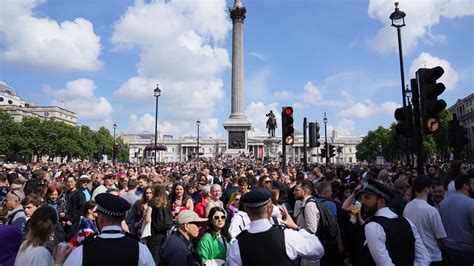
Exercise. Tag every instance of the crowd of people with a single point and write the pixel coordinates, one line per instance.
(235, 211)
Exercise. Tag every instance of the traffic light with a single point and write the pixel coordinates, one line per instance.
(323, 153)
(452, 132)
(431, 107)
(287, 125)
(461, 137)
(314, 135)
(404, 117)
(332, 150)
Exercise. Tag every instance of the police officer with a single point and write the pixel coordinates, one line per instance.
(264, 244)
(390, 239)
(111, 246)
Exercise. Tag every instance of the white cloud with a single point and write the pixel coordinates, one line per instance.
(389, 107)
(180, 44)
(425, 60)
(146, 123)
(283, 94)
(421, 16)
(360, 110)
(367, 109)
(345, 127)
(79, 97)
(312, 94)
(45, 43)
(256, 112)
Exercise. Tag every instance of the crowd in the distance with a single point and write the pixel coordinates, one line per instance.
(191, 213)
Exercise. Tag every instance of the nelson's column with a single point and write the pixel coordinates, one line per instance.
(237, 125)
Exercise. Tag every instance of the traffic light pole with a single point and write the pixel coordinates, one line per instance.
(305, 148)
(283, 143)
(284, 156)
(417, 126)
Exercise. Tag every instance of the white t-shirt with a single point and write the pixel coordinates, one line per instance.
(428, 223)
(451, 189)
(34, 256)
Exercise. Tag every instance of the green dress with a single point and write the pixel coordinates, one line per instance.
(210, 248)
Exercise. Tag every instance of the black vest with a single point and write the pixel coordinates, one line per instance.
(264, 248)
(121, 251)
(400, 241)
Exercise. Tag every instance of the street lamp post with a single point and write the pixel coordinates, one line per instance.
(398, 21)
(157, 93)
(114, 147)
(325, 120)
(198, 123)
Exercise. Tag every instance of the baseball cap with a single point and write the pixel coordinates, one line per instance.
(188, 216)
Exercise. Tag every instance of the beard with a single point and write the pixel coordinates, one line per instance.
(370, 211)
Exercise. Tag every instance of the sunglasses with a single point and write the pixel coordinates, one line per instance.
(222, 217)
(268, 181)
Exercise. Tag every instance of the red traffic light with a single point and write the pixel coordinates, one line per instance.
(288, 111)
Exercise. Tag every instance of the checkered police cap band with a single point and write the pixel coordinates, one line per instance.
(110, 213)
(257, 204)
(377, 191)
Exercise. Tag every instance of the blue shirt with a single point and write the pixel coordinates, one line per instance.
(329, 204)
(457, 214)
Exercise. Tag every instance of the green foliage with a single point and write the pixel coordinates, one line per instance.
(379, 142)
(382, 142)
(21, 141)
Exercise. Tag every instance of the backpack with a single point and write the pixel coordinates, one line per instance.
(328, 228)
(162, 220)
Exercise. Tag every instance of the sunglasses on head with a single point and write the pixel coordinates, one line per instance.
(222, 217)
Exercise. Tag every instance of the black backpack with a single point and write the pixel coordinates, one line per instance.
(328, 228)
(162, 220)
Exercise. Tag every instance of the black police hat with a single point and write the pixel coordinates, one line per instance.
(112, 205)
(256, 198)
(376, 188)
(226, 172)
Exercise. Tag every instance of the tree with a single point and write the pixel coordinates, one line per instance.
(440, 140)
(379, 142)
(104, 141)
(9, 136)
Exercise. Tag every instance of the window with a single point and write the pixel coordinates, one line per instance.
(350, 159)
(1, 99)
(10, 101)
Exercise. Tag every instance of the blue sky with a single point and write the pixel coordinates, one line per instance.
(104, 58)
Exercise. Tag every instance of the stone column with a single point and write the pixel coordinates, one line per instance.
(237, 125)
(237, 14)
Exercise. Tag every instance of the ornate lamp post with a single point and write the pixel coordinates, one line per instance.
(157, 94)
(115, 145)
(398, 21)
(198, 123)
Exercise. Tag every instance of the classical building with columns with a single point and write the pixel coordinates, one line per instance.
(184, 149)
(18, 108)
